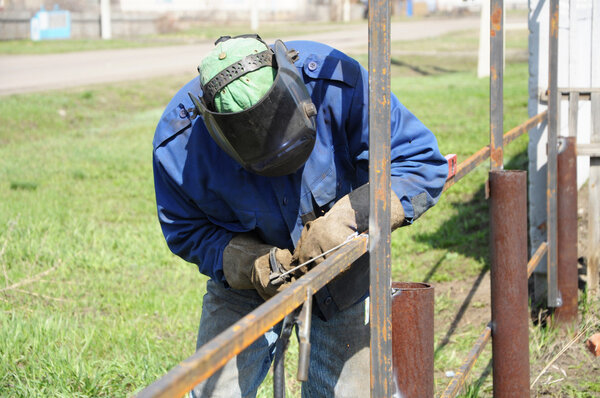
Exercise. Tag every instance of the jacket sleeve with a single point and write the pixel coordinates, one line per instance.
(187, 230)
(418, 169)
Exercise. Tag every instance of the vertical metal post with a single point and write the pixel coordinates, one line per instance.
(567, 277)
(380, 191)
(496, 84)
(412, 335)
(510, 315)
(554, 299)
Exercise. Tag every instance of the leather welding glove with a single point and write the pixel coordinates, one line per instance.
(349, 215)
(249, 263)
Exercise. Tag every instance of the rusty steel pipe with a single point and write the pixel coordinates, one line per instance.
(412, 338)
(567, 230)
(510, 315)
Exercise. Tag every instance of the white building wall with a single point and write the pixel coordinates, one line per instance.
(473, 5)
(575, 67)
(206, 5)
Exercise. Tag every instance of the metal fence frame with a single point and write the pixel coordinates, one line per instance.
(209, 358)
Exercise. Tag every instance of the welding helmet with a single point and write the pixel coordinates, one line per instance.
(271, 131)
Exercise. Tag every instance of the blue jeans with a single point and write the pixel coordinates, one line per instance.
(339, 356)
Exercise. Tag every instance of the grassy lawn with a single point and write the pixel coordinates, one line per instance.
(189, 35)
(92, 303)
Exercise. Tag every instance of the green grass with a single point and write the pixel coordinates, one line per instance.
(190, 35)
(115, 309)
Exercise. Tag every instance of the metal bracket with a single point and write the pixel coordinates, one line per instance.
(303, 322)
(301, 318)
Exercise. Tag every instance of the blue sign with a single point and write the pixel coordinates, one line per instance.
(55, 24)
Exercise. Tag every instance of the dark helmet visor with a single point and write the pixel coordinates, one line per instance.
(276, 135)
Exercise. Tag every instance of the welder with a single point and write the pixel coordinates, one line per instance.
(260, 165)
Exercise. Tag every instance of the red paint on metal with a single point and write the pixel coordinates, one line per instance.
(451, 159)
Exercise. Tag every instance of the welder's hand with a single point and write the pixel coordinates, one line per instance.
(266, 272)
(249, 263)
(348, 216)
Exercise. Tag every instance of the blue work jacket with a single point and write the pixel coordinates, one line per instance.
(204, 197)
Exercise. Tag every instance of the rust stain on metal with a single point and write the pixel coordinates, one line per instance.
(494, 74)
(536, 258)
(508, 280)
(459, 379)
(554, 24)
(566, 208)
(496, 20)
(497, 156)
(412, 338)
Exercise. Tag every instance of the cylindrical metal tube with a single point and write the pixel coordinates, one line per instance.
(567, 230)
(412, 338)
(510, 315)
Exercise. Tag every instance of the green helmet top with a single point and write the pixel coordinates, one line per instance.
(244, 91)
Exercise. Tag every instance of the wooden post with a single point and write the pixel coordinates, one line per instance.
(594, 204)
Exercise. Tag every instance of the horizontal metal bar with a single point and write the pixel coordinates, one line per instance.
(536, 258)
(468, 165)
(458, 381)
(214, 354)
(592, 149)
(523, 128)
(481, 155)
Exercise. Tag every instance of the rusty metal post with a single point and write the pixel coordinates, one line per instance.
(412, 337)
(554, 299)
(496, 84)
(567, 230)
(380, 273)
(510, 315)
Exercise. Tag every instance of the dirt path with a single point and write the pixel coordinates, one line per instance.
(34, 73)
